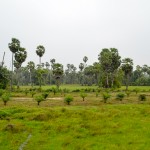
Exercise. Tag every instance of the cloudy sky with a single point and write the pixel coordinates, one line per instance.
(72, 29)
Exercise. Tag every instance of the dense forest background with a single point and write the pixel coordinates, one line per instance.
(109, 70)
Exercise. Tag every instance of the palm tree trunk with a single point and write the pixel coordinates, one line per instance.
(127, 82)
(18, 78)
(40, 61)
(31, 79)
(11, 84)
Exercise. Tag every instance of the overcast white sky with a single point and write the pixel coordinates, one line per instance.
(72, 29)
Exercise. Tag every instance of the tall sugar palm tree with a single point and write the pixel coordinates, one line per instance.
(127, 67)
(14, 47)
(20, 57)
(40, 50)
(31, 67)
(57, 72)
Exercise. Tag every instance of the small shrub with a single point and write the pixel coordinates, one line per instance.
(106, 96)
(83, 95)
(128, 93)
(68, 99)
(5, 98)
(120, 96)
(26, 92)
(65, 90)
(54, 90)
(45, 95)
(33, 93)
(142, 97)
(136, 90)
(39, 99)
(39, 89)
(76, 90)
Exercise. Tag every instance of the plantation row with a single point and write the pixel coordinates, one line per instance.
(102, 95)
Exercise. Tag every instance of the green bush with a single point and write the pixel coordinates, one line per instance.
(65, 90)
(26, 92)
(76, 90)
(142, 97)
(83, 95)
(128, 93)
(68, 99)
(33, 93)
(120, 96)
(106, 96)
(39, 99)
(45, 95)
(136, 90)
(5, 98)
(54, 90)
(1, 92)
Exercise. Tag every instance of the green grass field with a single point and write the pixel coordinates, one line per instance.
(83, 125)
(77, 86)
(76, 127)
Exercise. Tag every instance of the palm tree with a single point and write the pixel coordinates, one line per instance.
(57, 72)
(81, 66)
(47, 67)
(52, 61)
(81, 77)
(20, 57)
(127, 67)
(31, 67)
(14, 47)
(40, 50)
(85, 59)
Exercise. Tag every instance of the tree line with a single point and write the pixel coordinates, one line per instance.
(109, 71)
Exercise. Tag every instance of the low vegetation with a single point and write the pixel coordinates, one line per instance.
(65, 121)
(102, 127)
(68, 99)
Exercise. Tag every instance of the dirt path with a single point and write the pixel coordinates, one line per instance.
(27, 98)
(25, 142)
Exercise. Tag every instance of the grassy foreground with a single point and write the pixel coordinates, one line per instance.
(118, 127)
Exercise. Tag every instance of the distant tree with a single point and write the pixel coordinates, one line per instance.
(110, 61)
(40, 74)
(57, 72)
(96, 72)
(105, 58)
(85, 59)
(40, 50)
(47, 65)
(31, 67)
(52, 61)
(4, 77)
(70, 74)
(127, 67)
(20, 57)
(14, 47)
(81, 75)
(81, 66)
(88, 75)
(116, 62)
